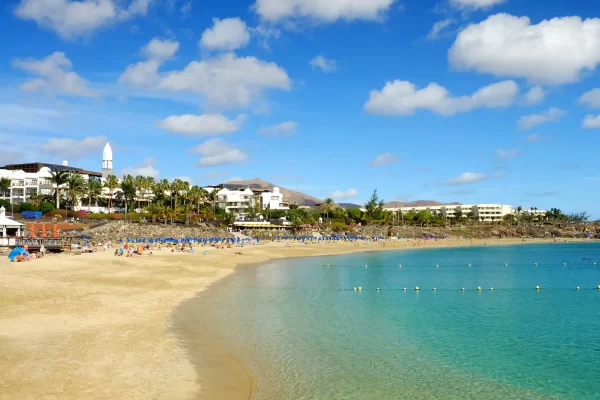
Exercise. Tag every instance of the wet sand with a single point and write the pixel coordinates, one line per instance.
(96, 326)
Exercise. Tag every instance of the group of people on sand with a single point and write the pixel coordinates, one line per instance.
(132, 251)
(27, 256)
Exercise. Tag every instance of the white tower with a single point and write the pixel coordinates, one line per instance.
(107, 161)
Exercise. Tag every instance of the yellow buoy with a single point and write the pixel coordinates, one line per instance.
(377, 289)
(354, 288)
(598, 287)
(434, 289)
(366, 266)
(537, 288)
(577, 288)
(405, 289)
(417, 289)
(479, 288)
(360, 288)
(491, 288)
(463, 289)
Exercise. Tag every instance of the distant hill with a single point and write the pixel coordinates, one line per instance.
(417, 203)
(289, 195)
(349, 205)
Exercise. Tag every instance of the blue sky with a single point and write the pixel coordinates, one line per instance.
(488, 101)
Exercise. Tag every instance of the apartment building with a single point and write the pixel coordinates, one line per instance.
(482, 212)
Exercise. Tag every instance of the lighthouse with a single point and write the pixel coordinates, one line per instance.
(107, 161)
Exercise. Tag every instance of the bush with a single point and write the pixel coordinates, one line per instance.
(338, 226)
(46, 208)
(5, 204)
(26, 207)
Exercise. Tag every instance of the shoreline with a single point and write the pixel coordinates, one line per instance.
(75, 325)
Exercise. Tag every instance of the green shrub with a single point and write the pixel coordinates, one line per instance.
(26, 207)
(5, 204)
(46, 207)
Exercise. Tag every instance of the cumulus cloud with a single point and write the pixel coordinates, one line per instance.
(202, 125)
(404, 98)
(227, 80)
(439, 27)
(74, 148)
(218, 152)
(554, 51)
(225, 34)
(384, 159)
(590, 99)
(534, 96)
(55, 76)
(466, 178)
(504, 154)
(146, 168)
(591, 121)
(282, 129)
(71, 19)
(145, 73)
(324, 64)
(321, 11)
(475, 4)
(344, 194)
(550, 115)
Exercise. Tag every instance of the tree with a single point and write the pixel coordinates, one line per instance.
(458, 214)
(374, 207)
(58, 179)
(581, 216)
(212, 198)
(251, 212)
(128, 191)
(139, 183)
(25, 207)
(229, 218)
(423, 217)
(46, 208)
(5, 184)
(75, 187)
(354, 214)
(327, 207)
(155, 209)
(111, 183)
(94, 191)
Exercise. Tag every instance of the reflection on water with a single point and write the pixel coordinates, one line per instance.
(306, 334)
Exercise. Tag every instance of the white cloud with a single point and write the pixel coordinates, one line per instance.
(201, 125)
(145, 73)
(218, 152)
(71, 19)
(554, 51)
(186, 9)
(146, 168)
(533, 138)
(439, 27)
(227, 80)
(226, 34)
(324, 64)
(534, 96)
(264, 34)
(344, 194)
(591, 121)
(550, 115)
(384, 159)
(466, 178)
(321, 11)
(475, 4)
(56, 76)
(403, 98)
(504, 154)
(235, 179)
(74, 148)
(590, 99)
(282, 129)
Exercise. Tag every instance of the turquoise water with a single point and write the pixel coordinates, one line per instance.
(306, 334)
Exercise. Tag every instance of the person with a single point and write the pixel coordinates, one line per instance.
(42, 250)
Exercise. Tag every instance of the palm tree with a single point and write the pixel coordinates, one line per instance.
(111, 183)
(328, 206)
(75, 187)
(195, 196)
(212, 198)
(155, 210)
(149, 184)
(58, 179)
(128, 191)
(94, 191)
(139, 183)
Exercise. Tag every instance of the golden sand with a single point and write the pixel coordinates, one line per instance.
(96, 326)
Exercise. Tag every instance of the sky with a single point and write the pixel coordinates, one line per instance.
(475, 101)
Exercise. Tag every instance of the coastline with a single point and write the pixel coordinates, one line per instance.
(99, 326)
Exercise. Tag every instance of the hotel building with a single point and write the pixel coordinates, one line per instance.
(481, 212)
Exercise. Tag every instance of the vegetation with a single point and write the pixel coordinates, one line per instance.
(58, 179)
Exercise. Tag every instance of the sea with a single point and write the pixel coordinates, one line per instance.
(488, 322)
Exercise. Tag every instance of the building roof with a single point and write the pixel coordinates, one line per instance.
(35, 167)
(4, 221)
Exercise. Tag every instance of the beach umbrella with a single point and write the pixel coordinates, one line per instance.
(16, 252)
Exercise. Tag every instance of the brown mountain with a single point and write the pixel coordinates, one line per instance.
(289, 195)
(417, 203)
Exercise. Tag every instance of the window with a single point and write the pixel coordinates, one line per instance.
(46, 191)
(18, 182)
(31, 182)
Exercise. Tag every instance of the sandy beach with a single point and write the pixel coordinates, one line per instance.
(96, 326)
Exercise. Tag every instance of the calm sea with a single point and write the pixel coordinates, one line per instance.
(304, 332)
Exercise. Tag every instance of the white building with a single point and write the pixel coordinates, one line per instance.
(482, 212)
(236, 199)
